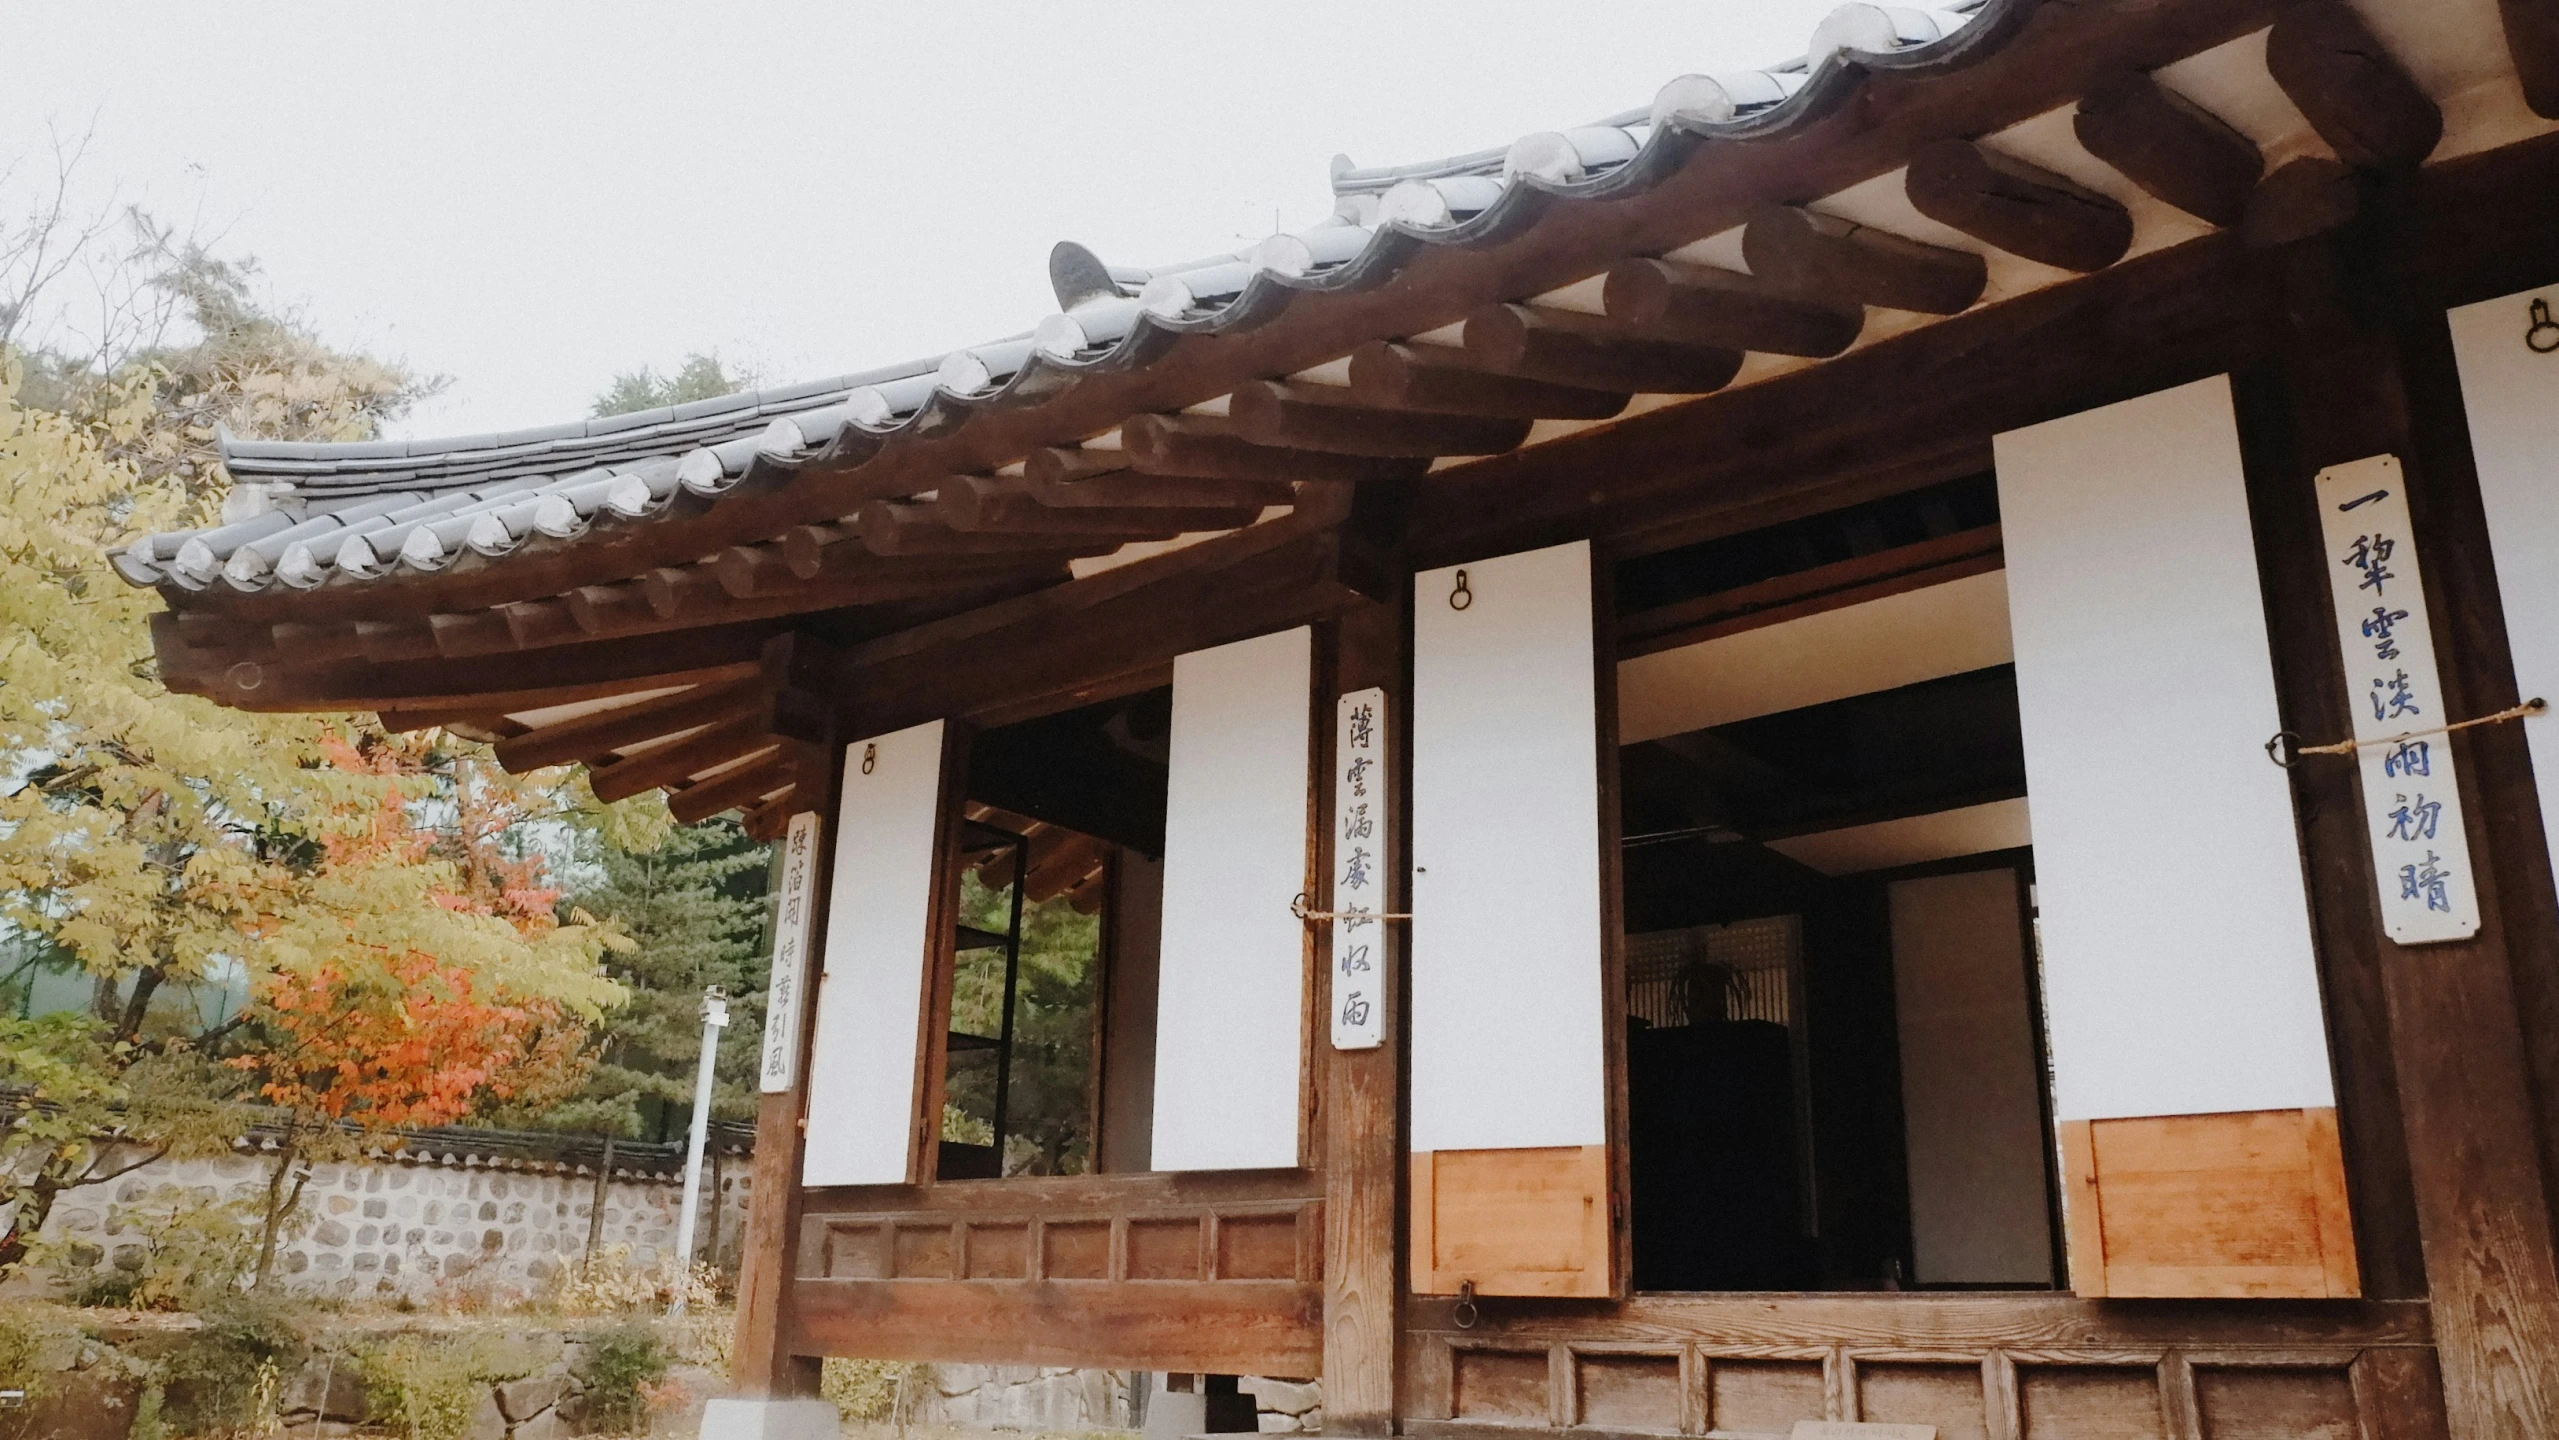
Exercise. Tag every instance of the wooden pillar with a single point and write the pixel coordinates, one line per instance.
(761, 1357)
(1362, 1104)
(2458, 1050)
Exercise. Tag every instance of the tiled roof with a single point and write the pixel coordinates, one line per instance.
(356, 511)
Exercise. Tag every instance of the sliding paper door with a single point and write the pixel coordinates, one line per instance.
(1230, 1000)
(1509, 1068)
(2190, 1058)
(2508, 352)
(871, 1001)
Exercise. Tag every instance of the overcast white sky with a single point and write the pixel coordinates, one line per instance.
(529, 198)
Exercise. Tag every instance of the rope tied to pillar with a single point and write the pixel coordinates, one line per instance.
(1297, 907)
(2276, 752)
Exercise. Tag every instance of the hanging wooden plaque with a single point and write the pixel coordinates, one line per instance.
(1359, 873)
(2412, 801)
(790, 955)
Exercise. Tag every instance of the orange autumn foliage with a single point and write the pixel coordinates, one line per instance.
(381, 1037)
(424, 1049)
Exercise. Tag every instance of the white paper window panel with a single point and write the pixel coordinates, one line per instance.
(870, 1005)
(2512, 395)
(1230, 996)
(2179, 974)
(1506, 979)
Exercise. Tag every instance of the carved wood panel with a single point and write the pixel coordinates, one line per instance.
(1219, 1273)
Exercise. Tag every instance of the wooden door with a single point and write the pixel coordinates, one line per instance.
(1231, 982)
(1512, 1173)
(2189, 1051)
(880, 957)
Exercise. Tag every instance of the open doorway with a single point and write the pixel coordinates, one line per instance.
(1835, 1068)
(1048, 1065)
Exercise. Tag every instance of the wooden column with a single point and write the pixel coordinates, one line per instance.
(1363, 1089)
(761, 1358)
(2458, 1048)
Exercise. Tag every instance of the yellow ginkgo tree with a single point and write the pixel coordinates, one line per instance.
(165, 845)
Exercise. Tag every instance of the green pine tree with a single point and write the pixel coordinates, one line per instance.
(695, 906)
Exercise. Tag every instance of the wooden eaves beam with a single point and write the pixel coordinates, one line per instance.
(1725, 309)
(2359, 98)
(2023, 209)
(2171, 147)
(1284, 414)
(1801, 252)
(1566, 347)
(1077, 478)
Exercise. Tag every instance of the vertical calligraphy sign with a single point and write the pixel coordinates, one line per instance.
(2412, 803)
(782, 993)
(1360, 793)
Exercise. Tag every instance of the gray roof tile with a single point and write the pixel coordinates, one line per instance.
(337, 503)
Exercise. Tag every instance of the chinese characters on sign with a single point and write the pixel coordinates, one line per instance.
(2412, 805)
(1359, 875)
(790, 953)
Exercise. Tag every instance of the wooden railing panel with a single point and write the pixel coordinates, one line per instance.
(1217, 1273)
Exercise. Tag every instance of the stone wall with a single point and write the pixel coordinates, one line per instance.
(403, 1225)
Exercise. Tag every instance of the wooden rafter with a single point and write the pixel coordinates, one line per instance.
(2021, 208)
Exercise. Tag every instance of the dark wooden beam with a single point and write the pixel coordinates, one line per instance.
(2170, 146)
(388, 642)
(476, 632)
(2023, 209)
(531, 624)
(1076, 483)
(681, 592)
(608, 609)
(1004, 505)
(746, 571)
(1725, 309)
(2532, 42)
(905, 527)
(313, 641)
(2360, 99)
(1808, 592)
(1566, 347)
(767, 821)
(593, 736)
(1822, 257)
(2309, 196)
(1208, 445)
(1130, 618)
(673, 762)
(1286, 415)
(1446, 380)
(742, 788)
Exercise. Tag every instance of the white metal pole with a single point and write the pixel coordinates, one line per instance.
(715, 1014)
